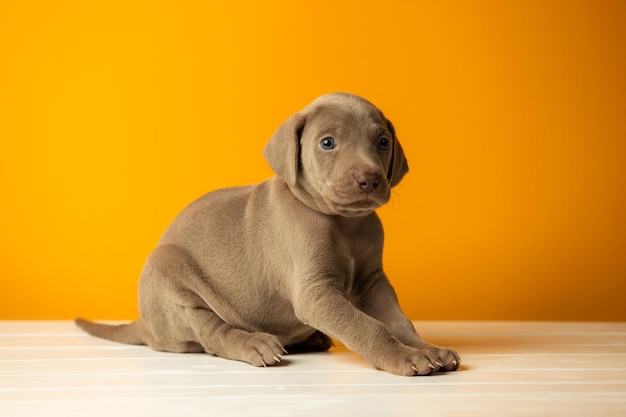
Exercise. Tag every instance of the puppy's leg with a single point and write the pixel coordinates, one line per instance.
(380, 302)
(219, 338)
(323, 306)
(180, 320)
(317, 342)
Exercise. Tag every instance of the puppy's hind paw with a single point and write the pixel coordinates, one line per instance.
(262, 349)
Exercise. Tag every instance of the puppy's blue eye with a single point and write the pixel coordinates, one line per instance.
(383, 144)
(327, 144)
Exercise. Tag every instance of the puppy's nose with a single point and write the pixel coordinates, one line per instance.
(368, 182)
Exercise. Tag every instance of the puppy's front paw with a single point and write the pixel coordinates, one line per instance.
(415, 362)
(262, 349)
(426, 360)
(447, 359)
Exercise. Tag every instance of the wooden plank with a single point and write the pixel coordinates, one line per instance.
(573, 369)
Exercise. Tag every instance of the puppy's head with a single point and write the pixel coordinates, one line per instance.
(339, 155)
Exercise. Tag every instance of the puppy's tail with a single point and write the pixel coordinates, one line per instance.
(133, 333)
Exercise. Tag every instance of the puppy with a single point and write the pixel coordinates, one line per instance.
(244, 272)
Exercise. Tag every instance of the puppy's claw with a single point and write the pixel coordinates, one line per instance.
(264, 365)
(285, 350)
(277, 358)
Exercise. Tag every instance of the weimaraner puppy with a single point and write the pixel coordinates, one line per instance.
(253, 272)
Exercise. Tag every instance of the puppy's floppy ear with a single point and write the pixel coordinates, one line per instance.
(283, 149)
(399, 165)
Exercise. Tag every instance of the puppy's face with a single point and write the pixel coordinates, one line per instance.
(340, 154)
(345, 152)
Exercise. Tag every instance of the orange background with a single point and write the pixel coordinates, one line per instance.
(114, 115)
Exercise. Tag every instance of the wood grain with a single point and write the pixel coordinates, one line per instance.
(509, 368)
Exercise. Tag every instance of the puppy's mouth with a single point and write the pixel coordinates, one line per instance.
(361, 206)
(359, 203)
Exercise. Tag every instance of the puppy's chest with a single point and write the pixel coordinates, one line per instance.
(350, 274)
(358, 257)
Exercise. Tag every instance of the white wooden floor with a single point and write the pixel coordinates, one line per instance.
(509, 369)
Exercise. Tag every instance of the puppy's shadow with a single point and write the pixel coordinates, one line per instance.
(283, 362)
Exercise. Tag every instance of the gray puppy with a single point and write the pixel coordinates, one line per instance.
(243, 272)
